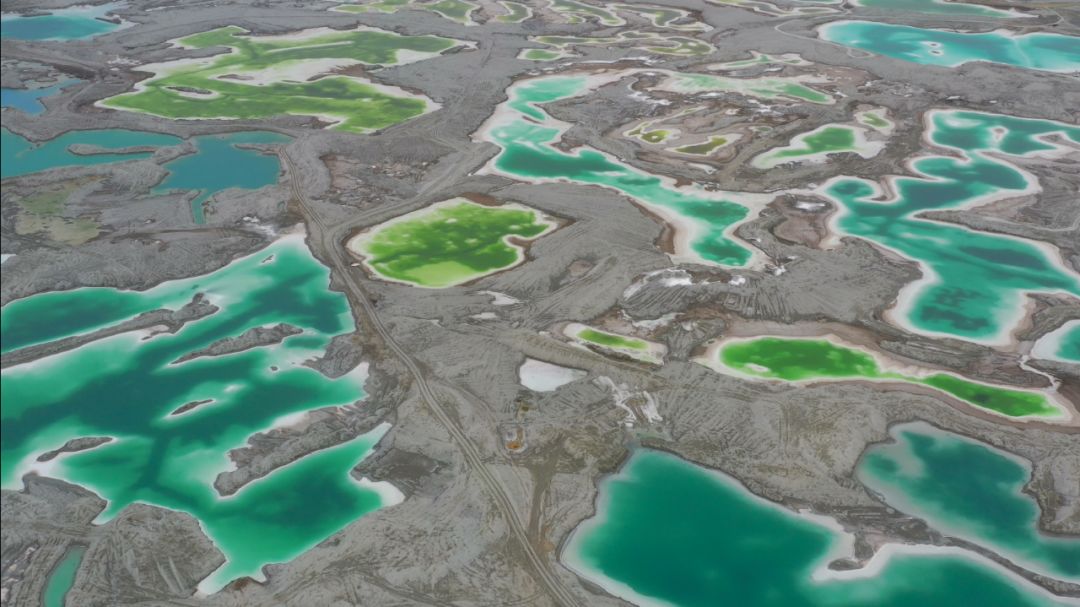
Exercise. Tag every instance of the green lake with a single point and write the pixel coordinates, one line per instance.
(129, 387)
(265, 76)
(799, 359)
(450, 243)
(669, 532)
(1036, 50)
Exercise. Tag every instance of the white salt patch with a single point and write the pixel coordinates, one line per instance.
(540, 376)
(6, 256)
(654, 323)
(804, 205)
(737, 281)
(668, 277)
(389, 495)
(501, 299)
(485, 316)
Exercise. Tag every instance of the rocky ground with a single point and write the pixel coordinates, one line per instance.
(452, 541)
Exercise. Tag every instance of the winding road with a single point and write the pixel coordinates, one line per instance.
(329, 243)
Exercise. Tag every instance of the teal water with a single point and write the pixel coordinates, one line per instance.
(671, 533)
(970, 491)
(1069, 347)
(20, 156)
(218, 164)
(62, 577)
(73, 23)
(525, 133)
(1036, 51)
(974, 282)
(126, 387)
(28, 101)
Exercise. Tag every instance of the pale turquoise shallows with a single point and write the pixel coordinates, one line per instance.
(668, 532)
(970, 491)
(974, 282)
(28, 101)
(62, 577)
(72, 23)
(129, 387)
(1036, 50)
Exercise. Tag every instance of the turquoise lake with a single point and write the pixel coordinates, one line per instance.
(971, 491)
(672, 533)
(128, 386)
(21, 157)
(62, 577)
(1036, 51)
(73, 23)
(217, 164)
(28, 101)
(974, 282)
(525, 134)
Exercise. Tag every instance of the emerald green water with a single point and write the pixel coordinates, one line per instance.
(62, 577)
(806, 359)
(73, 23)
(357, 105)
(968, 490)
(668, 532)
(704, 148)
(526, 152)
(449, 244)
(831, 139)
(126, 387)
(1035, 51)
(217, 164)
(974, 282)
(611, 340)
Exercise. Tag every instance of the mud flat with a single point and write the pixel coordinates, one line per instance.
(941, 7)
